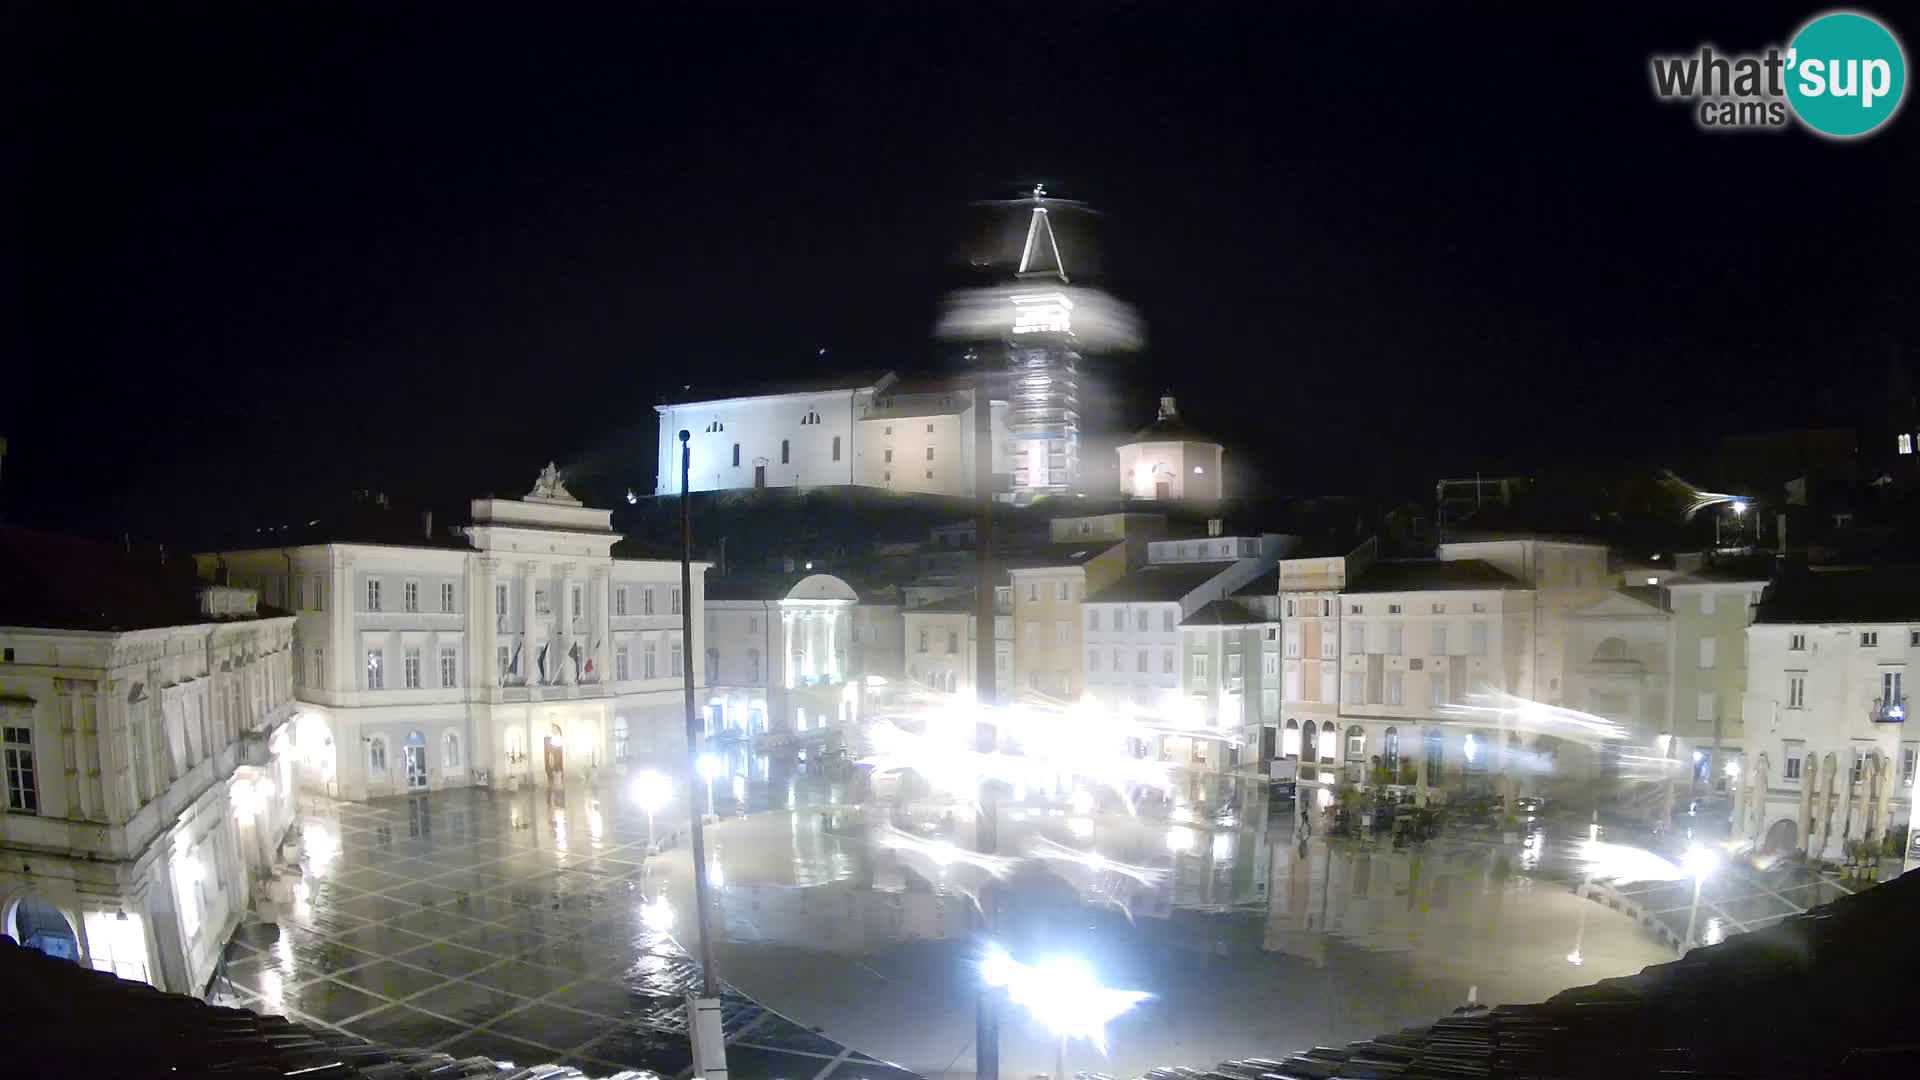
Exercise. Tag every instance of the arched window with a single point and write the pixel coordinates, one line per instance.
(377, 754)
(1390, 750)
(753, 666)
(1290, 740)
(786, 452)
(1309, 740)
(452, 750)
(1356, 743)
(619, 737)
(1436, 755)
(1329, 741)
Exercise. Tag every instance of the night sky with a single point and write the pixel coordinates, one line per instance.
(258, 256)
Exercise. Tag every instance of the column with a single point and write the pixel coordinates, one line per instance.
(602, 623)
(484, 666)
(529, 649)
(1809, 776)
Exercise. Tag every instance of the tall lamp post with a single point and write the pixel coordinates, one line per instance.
(703, 1012)
(652, 789)
(1062, 994)
(1700, 862)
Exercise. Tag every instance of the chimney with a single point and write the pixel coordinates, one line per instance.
(426, 523)
(1166, 407)
(1215, 525)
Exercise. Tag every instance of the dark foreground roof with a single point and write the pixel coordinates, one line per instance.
(1418, 575)
(1224, 613)
(1861, 594)
(1826, 993)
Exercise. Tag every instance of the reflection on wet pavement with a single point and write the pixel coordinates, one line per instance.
(475, 923)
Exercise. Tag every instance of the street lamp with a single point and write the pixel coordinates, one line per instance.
(1700, 862)
(1062, 994)
(711, 767)
(652, 790)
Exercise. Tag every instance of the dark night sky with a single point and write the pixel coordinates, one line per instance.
(261, 255)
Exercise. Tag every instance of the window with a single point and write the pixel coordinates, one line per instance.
(1439, 639)
(1166, 661)
(1859, 766)
(1093, 659)
(622, 665)
(1903, 442)
(1329, 681)
(887, 455)
(736, 455)
(1356, 743)
(447, 668)
(376, 669)
(1290, 740)
(1356, 639)
(650, 661)
(1479, 608)
(786, 453)
(23, 780)
(446, 596)
(1093, 620)
(1705, 705)
(319, 668)
(1293, 641)
(540, 606)
(1393, 609)
(1796, 643)
(573, 601)
(1032, 634)
(929, 453)
(1437, 687)
(1166, 620)
(1792, 769)
(1439, 609)
(1390, 750)
(1479, 642)
(1796, 690)
(1708, 648)
(889, 429)
(501, 658)
(1907, 756)
(1063, 633)
(1199, 667)
(674, 602)
(619, 737)
(1033, 593)
(753, 665)
(1289, 609)
(410, 596)
(1273, 633)
(1355, 609)
(1140, 621)
(377, 755)
(1233, 665)
(1326, 608)
(1913, 638)
(1890, 687)
(1706, 602)
(1869, 639)
(1356, 688)
(953, 641)
(620, 600)
(646, 601)
(924, 634)
(1393, 640)
(1142, 661)
(1290, 684)
(1329, 742)
(452, 751)
(836, 448)
(674, 660)
(410, 669)
(929, 429)
(1396, 687)
(1061, 590)
(373, 594)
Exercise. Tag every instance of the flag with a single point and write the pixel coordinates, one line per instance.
(543, 661)
(513, 666)
(596, 652)
(574, 652)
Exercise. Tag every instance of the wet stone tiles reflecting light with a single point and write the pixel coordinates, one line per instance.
(464, 921)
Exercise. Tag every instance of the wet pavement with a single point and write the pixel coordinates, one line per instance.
(518, 926)
(452, 922)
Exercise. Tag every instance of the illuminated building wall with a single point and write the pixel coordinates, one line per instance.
(1043, 416)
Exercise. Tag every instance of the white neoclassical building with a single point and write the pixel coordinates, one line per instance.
(520, 652)
(782, 655)
(1829, 753)
(147, 774)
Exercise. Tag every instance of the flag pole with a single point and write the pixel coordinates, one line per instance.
(703, 1012)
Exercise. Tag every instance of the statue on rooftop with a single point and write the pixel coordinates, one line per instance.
(548, 486)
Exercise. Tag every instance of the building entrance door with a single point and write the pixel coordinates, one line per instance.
(1162, 490)
(556, 759)
(759, 476)
(1267, 735)
(416, 761)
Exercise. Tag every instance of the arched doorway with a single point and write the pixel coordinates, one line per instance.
(1782, 838)
(556, 752)
(39, 925)
(414, 758)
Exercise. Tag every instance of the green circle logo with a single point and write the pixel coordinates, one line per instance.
(1845, 74)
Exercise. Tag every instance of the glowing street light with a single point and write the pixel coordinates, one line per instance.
(652, 790)
(657, 914)
(711, 769)
(1739, 507)
(1700, 862)
(1061, 993)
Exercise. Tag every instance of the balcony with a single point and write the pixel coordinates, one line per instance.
(1888, 710)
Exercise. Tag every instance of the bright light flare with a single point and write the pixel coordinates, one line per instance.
(1624, 862)
(657, 915)
(1700, 861)
(1048, 851)
(1697, 499)
(652, 790)
(944, 854)
(711, 767)
(1061, 992)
